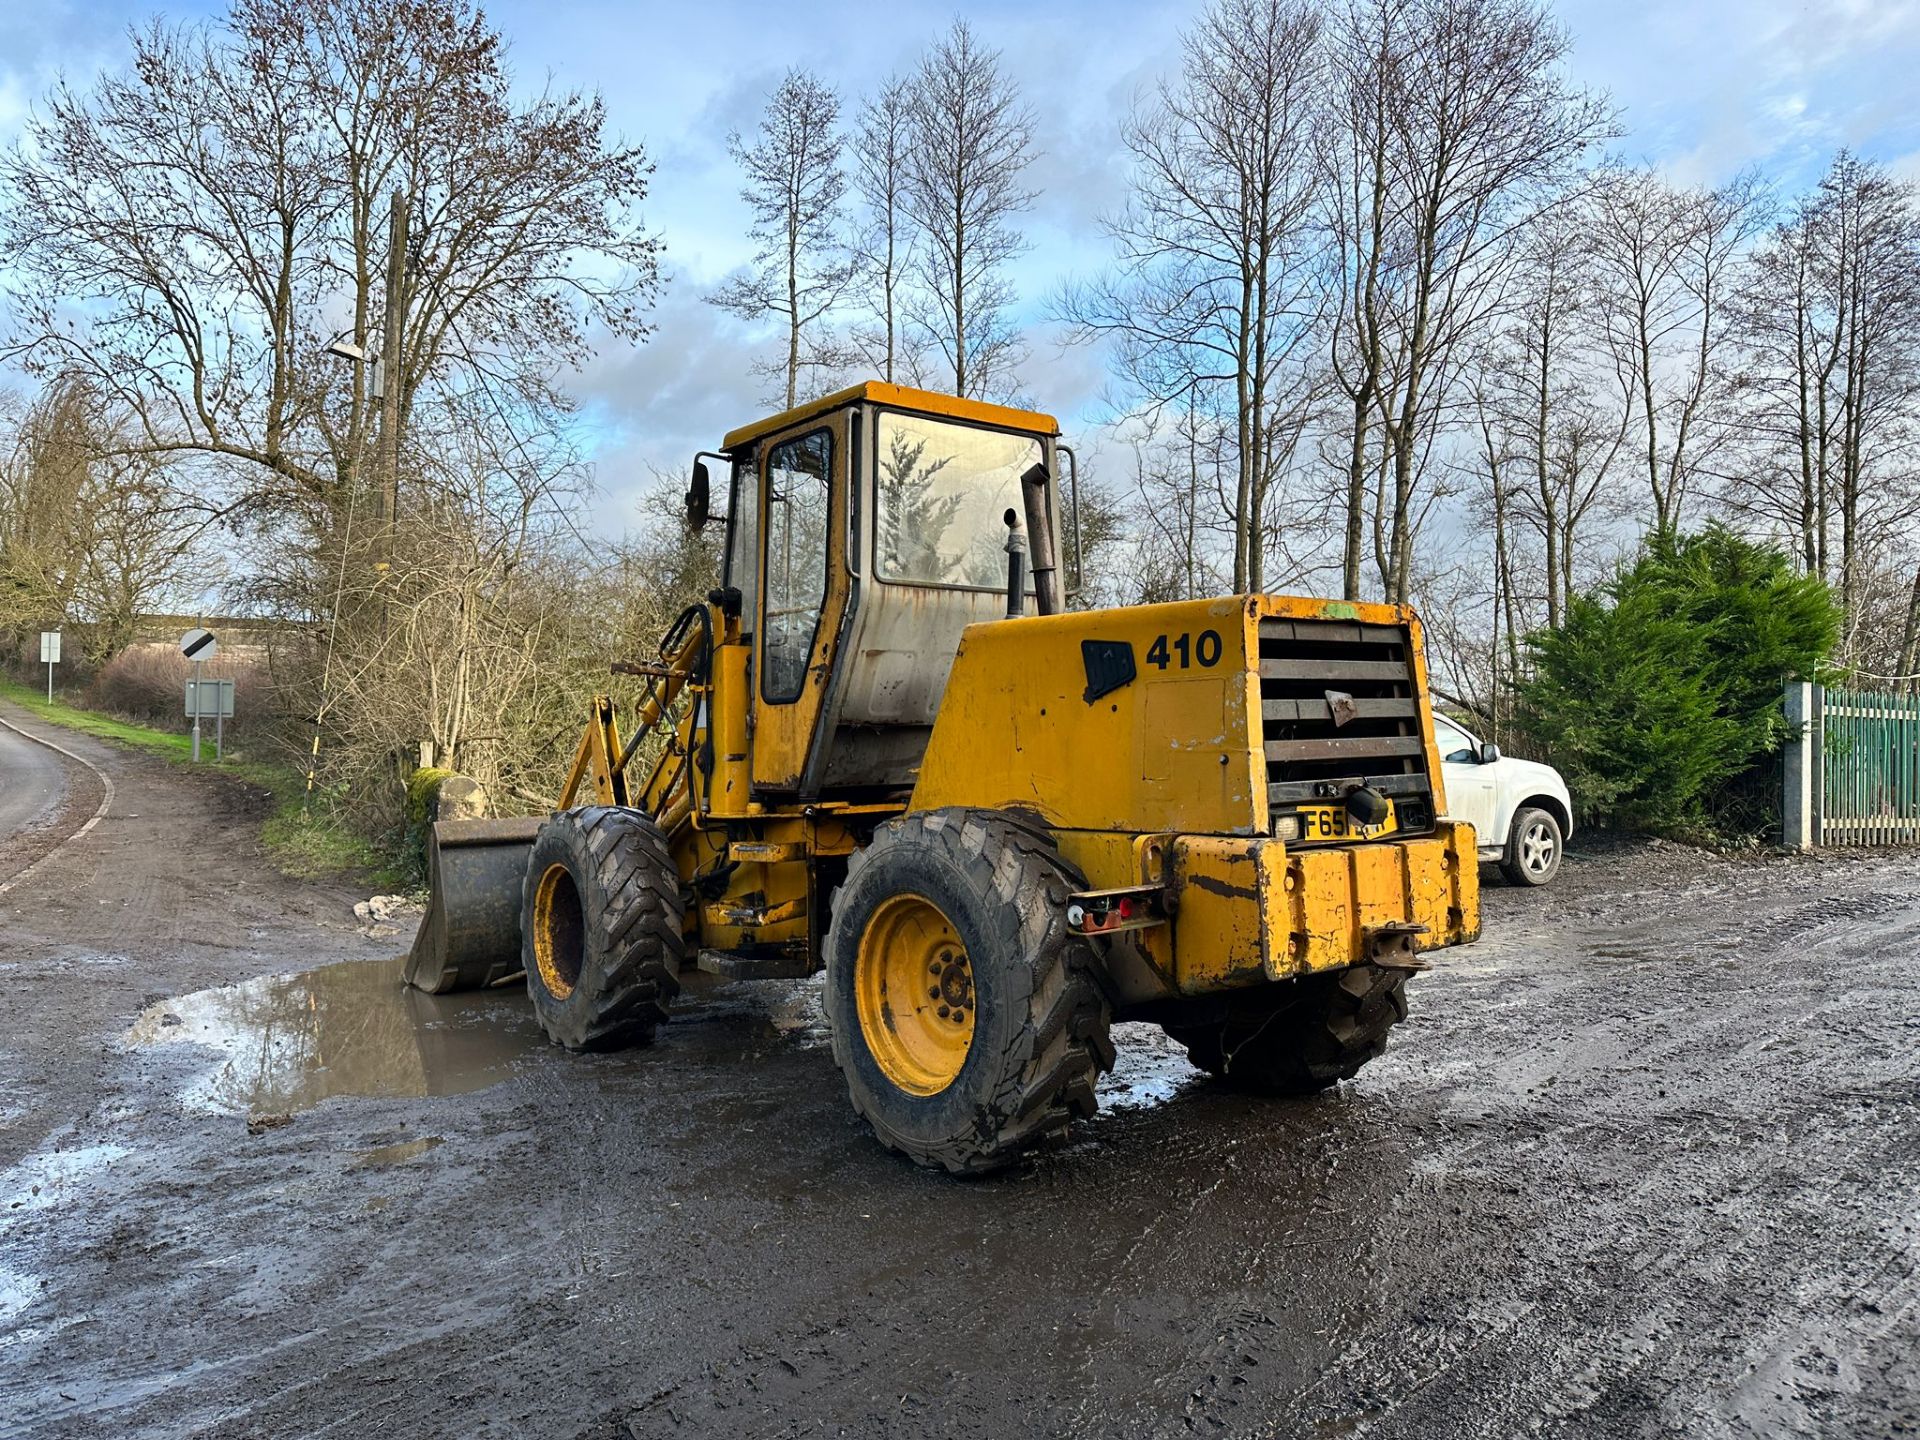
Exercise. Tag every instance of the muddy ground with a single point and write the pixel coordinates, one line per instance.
(1645, 1161)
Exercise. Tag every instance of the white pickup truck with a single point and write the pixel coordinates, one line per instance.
(1520, 810)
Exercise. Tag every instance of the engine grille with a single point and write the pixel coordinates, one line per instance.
(1339, 710)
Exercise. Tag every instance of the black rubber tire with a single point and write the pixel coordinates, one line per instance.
(1512, 863)
(1040, 1038)
(1301, 1036)
(628, 949)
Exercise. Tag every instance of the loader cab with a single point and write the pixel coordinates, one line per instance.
(865, 532)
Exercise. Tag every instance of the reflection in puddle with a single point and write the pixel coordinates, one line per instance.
(351, 1028)
(43, 1181)
(394, 1154)
(17, 1291)
(1149, 1069)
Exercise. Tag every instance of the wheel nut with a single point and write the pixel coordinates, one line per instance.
(943, 1012)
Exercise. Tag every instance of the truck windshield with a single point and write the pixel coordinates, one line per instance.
(941, 492)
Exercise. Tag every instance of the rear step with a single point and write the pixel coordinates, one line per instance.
(731, 965)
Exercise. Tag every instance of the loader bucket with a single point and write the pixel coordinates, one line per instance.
(470, 935)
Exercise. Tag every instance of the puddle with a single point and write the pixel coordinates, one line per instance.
(17, 1291)
(394, 1154)
(352, 1028)
(1149, 1069)
(43, 1181)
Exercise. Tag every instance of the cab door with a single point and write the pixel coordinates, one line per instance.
(803, 591)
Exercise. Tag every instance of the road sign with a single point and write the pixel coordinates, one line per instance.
(211, 698)
(197, 645)
(50, 656)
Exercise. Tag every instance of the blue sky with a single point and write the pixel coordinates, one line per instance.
(1706, 90)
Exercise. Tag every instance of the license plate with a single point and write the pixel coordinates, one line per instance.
(1331, 822)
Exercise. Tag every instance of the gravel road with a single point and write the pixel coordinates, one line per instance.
(1645, 1161)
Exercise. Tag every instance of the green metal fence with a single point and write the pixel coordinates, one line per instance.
(1869, 768)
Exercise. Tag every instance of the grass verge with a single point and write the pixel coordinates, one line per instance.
(307, 842)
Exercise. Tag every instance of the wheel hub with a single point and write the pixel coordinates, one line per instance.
(559, 928)
(913, 989)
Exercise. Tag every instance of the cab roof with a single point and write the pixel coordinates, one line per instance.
(899, 397)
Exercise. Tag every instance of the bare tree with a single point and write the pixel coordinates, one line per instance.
(187, 237)
(213, 210)
(1562, 400)
(972, 139)
(1454, 129)
(1667, 259)
(1211, 304)
(795, 187)
(89, 535)
(885, 250)
(1829, 377)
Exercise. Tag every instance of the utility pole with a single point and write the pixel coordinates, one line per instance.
(388, 447)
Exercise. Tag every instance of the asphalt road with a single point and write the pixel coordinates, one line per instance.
(1643, 1162)
(33, 787)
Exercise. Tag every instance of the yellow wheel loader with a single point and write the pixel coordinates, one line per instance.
(884, 748)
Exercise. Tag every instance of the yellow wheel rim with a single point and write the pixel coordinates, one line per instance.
(913, 988)
(559, 931)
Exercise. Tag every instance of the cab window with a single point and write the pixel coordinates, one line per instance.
(940, 492)
(743, 537)
(799, 484)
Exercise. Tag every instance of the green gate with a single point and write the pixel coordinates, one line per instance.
(1870, 768)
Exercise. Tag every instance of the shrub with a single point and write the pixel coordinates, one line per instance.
(148, 683)
(1661, 689)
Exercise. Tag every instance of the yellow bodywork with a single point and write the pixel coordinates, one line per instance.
(902, 397)
(1159, 782)
(1163, 781)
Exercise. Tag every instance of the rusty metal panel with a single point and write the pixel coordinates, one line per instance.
(1219, 939)
(1321, 932)
(1379, 885)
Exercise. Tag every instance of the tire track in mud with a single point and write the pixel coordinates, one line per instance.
(1701, 1242)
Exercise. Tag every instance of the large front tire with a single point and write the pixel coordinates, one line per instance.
(600, 929)
(1301, 1036)
(966, 1017)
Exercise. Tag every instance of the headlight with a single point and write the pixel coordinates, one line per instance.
(1286, 827)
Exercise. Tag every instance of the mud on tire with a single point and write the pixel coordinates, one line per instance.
(1039, 1038)
(1301, 1036)
(601, 914)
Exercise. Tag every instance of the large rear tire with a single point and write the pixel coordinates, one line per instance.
(966, 1017)
(600, 928)
(1301, 1036)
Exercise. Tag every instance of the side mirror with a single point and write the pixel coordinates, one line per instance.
(699, 497)
(1489, 752)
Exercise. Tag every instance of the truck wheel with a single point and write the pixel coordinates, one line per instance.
(1534, 848)
(965, 1015)
(600, 927)
(1313, 1033)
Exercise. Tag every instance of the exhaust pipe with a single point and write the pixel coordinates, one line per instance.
(1046, 554)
